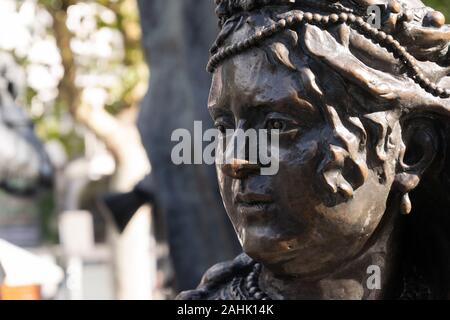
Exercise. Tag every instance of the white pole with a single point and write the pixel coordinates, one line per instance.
(75, 278)
(135, 258)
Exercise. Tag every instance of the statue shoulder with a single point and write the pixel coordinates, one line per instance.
(217, 278)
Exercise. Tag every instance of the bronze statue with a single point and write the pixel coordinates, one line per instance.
(364, 180)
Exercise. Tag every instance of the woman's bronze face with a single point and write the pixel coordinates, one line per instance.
(282, 220)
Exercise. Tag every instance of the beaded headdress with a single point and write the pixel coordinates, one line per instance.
(410, 31)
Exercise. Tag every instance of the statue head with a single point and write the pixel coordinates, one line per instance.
(363, 124)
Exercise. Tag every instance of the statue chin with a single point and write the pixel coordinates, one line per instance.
(284, 260)
(269, 251)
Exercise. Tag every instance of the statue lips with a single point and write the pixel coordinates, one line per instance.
(254, 205)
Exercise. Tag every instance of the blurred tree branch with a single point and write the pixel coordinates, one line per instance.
(119, 138)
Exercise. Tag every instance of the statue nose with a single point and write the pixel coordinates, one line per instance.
(240, 169)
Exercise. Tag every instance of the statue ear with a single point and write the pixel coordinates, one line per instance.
(421, 140)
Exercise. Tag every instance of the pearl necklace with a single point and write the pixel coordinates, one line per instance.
(248, 288)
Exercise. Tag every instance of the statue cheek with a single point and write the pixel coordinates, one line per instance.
(299, 152)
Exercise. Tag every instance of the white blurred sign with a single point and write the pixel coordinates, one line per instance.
(24, 268)
(76, 231)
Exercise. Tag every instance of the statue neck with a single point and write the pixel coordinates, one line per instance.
(370, 276)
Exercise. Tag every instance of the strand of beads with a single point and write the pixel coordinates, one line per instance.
(248, 288)
(357, 23)
(393, 46)
(252, 286)
(256, 39)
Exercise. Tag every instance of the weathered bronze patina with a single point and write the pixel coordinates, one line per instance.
(364, 170)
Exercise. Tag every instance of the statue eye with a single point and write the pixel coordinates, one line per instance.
(275, 124)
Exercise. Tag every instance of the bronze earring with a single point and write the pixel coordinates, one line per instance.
(406, 206)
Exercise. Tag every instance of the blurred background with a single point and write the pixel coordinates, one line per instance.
(91, 206)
